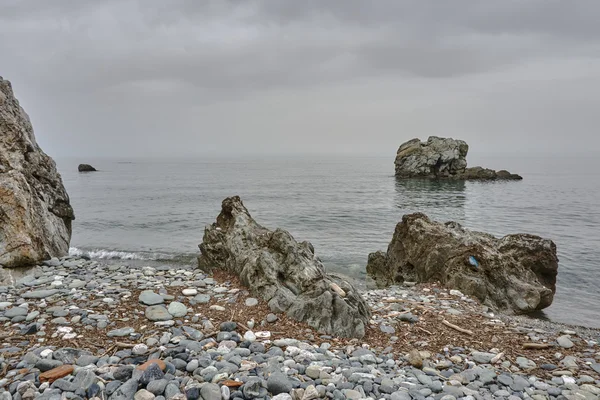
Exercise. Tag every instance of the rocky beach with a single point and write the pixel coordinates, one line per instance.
(79, 328)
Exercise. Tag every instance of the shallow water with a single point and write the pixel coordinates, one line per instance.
(346, 206)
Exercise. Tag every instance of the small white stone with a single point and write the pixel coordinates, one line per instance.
(56, 283)
(46, 353)
(68, 336)
(139, 349)
(250, 324)
(189, 292)
(250, 336)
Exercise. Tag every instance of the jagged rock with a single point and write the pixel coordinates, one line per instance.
(441, 158)
(283, 272)
(86, 168)
(516, 273)
(35, 213)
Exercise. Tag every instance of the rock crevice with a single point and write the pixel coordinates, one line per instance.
(35, 212)
(282, 271)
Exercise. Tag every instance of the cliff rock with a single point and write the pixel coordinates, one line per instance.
(514, 274)
(283, 272)
(35, 213)
(441, 158)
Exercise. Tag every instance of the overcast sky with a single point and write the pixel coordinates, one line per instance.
(192, 77)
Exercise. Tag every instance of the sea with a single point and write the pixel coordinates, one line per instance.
(155, 210)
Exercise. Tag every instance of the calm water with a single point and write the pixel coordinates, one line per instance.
(347, 207)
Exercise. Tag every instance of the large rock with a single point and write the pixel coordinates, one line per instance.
(515, 274)
(35, 213)
(283, 272)
(441, 158)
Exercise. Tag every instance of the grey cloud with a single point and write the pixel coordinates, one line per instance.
(207, 71)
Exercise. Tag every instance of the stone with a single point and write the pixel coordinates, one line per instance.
(271, 318)
(564, 342)
(251, 302)
(157, 313)
(515, 274)
(56, 373)
(414, 358)
(126, 391)
(390, 330)
(525, 363)
(35, 222)
(202, 298)
(279, 383)
(120, 332)
(282, 272)
(86, 168)
(151, 373)
(441, 158)
(15, 312)
(177, 309)
(189, 292)
(40, 294)
(352, 394)
(210, 391)
(228, 326)
(149, 298)
(157, 387)
(482, 358)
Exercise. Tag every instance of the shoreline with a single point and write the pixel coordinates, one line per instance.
(94, 308)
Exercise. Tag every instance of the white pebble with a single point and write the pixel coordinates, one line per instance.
(250, 336)
(189, 292)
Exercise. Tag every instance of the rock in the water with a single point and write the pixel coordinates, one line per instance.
(516, 273)
(86, 168)
(441, 158)
(35, 220)
(283, 272)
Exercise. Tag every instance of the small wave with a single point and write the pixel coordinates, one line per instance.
(104, 254)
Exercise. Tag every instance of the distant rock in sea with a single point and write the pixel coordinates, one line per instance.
(35, 212)
(441, 158)
(283, 272)
(86, 168)
(515, 274)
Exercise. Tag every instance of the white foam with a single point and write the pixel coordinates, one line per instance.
(104, 254)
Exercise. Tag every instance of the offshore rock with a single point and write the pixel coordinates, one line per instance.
(282, 271)
(86, 168)
(441, 158)
(35, 212)
(515, 274)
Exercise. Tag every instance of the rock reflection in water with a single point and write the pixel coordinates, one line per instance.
(440, 200)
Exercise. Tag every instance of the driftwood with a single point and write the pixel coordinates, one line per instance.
(536, 346)
(458, 328)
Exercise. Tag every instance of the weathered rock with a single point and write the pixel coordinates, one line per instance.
(35, 213)
(283, 272)
(516, 273)
(441, 158)
(86, 168)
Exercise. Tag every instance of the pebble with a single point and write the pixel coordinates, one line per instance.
(251, 302)
(565, 342)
